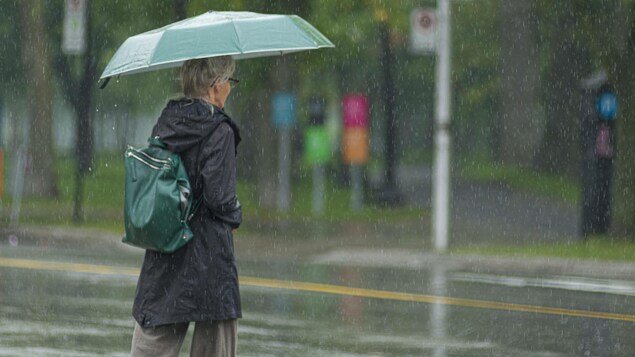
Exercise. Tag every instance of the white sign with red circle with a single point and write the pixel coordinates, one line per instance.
(423, 24)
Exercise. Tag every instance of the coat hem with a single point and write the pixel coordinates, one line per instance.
(145, 323)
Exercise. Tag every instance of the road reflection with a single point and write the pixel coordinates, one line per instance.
(66, 303)
(438, 312)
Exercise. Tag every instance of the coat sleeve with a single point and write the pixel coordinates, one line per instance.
(219, 177)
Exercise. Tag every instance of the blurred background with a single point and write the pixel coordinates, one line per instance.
(522, 72)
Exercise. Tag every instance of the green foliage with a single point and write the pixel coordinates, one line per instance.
(104, 201)
(476, 77)
(482, 170)
(103, 197)
(10, 64)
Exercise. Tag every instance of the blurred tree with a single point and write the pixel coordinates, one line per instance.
(476, 78)
(11, 71)
(180, 9)
(42, 180)
(519, 125)
(567, 63)
(78, 74)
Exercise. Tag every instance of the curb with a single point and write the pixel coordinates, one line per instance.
(355, 256)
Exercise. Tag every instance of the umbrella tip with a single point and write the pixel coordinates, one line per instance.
(102, 83)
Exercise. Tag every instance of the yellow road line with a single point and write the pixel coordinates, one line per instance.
(431, 299)
(329, 289)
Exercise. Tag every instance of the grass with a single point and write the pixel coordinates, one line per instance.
(103, 198)
(103, 201)
(599, 248)
(337, 204)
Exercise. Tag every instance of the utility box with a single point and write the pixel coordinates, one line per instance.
(598, 113)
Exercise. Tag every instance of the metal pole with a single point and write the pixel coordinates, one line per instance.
(438, 312)
(357, 190)
(284, 164)
(18, 185)
(318, 189)
(389, 193)
(20, 171)
(441, 178)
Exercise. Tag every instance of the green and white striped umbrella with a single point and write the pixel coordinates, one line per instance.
(238, 34)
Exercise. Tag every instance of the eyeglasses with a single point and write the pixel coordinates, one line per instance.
(231, 80)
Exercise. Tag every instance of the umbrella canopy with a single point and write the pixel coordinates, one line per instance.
(238, 34)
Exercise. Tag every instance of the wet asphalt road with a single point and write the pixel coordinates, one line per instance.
(64, 298)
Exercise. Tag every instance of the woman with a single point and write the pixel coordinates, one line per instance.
(199, 282)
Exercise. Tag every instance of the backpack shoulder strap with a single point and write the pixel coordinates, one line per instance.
(156, 141)
(201, 143)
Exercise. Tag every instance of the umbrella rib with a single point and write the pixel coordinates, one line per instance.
(240, 42)
(154, 50)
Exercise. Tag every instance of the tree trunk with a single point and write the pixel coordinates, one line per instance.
(41, 180)
(268, 175)
(180, 9)
(624, 76)
(519, 127)
(79, 91)
(560, 148)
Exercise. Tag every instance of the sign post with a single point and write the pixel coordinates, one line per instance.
(430, 34)
(599, 106)
(441, 174)
(284, 104)
(355, 150)
(317, 151)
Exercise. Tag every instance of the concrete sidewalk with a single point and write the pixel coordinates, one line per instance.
(352, 250)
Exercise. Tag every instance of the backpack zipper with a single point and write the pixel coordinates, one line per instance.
(140, 159)
(159, 161)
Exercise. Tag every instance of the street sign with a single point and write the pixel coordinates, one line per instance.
(423, 23)
(74, 41)
(284, 109)
(355, 111)
(355, 148)
(607, 106)
(317, 145)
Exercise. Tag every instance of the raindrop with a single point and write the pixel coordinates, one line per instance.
(13, 240)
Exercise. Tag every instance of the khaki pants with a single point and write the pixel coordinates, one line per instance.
(211, 338)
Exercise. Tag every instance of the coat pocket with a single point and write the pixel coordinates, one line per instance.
(229, 242)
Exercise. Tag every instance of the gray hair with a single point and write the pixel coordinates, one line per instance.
(199, 74)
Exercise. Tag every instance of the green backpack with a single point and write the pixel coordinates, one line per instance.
(158, 202)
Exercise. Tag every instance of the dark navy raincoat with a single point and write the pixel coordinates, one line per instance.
(199, 282)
